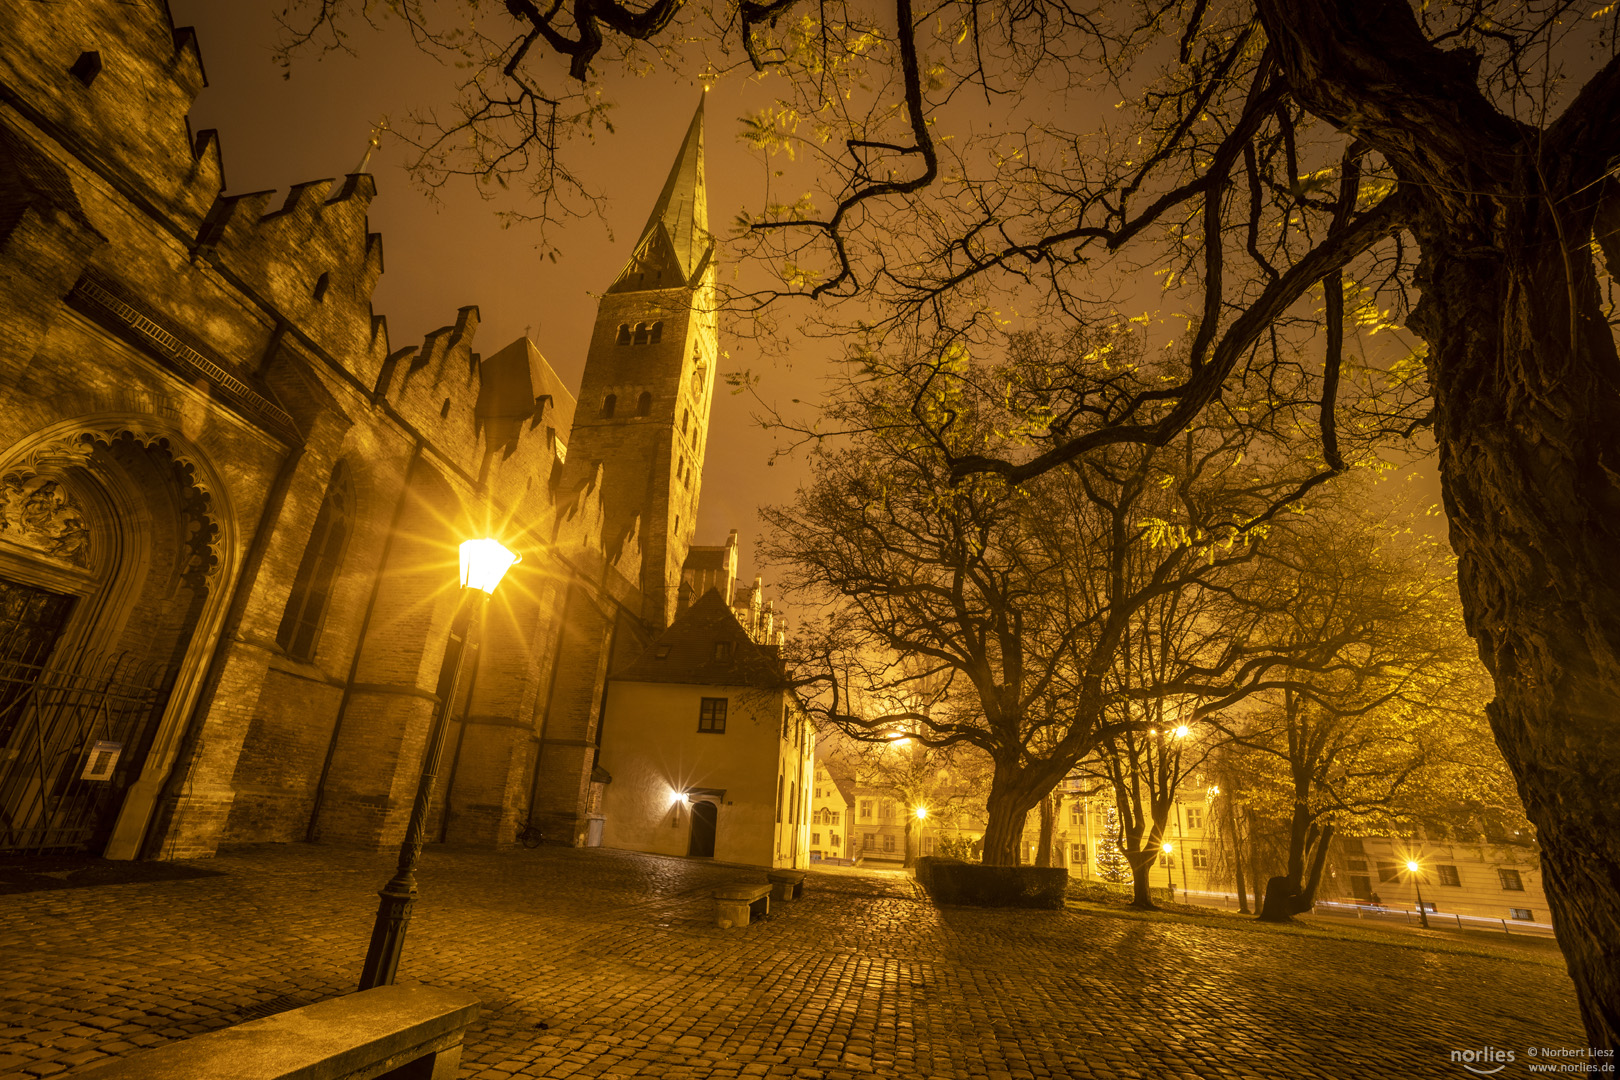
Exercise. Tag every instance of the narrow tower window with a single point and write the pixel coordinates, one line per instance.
(608, 404)
(317, 572)
(641, 333)
(644, 404)
(624, 334)
(322, 283)
(656, 334)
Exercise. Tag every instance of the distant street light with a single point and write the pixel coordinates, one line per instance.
(483, 564)
(922, 822)
(1413, 868)
(1181, 732)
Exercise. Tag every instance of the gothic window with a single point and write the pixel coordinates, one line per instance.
(686, 418)
(624, 334)
(644, 404)
(317, 572)
(656, 334)
(641, 333)
(608, 404)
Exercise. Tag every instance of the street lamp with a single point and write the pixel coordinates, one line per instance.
(1412, 868)
(483, 564)
(1169, 868)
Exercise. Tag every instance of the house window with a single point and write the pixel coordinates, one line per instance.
(815, 839)
(1354, 846)
(722, 650)
(868, 842)
(1200, 858)
(1361, 886)
(886, 808)
(1077, 814)
(1523, 914)
(317, 571)
(712, 715)
(832, 839)
(888, 842)
(1448, 875)
(1511, 880)
(834, 814)
(866, 809)
(1390, 871)
(609, 403)
(1166, 861)
(1195, 817)
(1077, 854)
(1357, 865)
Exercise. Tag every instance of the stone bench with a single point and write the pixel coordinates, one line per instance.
(785, 884)
(389, 1033)
(734, 904)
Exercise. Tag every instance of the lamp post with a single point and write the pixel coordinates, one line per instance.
(922, 822)
(483, 564)
(1413, 868)
(1170, 868)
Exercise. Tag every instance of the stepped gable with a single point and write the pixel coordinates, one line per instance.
(675, 246)
(313, 258)
(112, 84)
(685, 652)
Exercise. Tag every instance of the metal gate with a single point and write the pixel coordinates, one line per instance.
(73, 736)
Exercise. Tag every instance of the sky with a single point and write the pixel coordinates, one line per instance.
(446, 252)
(440, 255)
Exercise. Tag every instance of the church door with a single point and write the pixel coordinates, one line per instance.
(704, 816)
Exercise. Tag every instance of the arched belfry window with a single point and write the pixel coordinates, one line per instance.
(609, 403)
(624, 334)
(317, 572)
(644, 404)
(656, 334)
(641, 333)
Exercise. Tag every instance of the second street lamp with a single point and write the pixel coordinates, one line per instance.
(483, 564)
(1414, 869)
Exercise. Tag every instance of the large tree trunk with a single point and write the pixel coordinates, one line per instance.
(1531, 476)
(1043, 852)
(1526, 384)
(1007, 809)
(1313, 876)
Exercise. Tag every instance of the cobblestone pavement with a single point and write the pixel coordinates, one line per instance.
(618, 956)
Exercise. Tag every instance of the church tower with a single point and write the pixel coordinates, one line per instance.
(644, 400)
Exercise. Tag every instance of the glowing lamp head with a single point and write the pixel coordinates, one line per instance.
(1181, 732)
(1167, 847)
(484, 562)
(682, 799)
(922, 812)
(1411, 864)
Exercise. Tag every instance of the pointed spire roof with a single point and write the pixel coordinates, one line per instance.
(676, 237)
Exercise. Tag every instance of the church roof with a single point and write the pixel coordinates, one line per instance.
(705, 558)
(686, 652)
(676, 237)
(512, 380)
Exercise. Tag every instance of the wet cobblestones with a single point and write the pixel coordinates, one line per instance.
(617, 955)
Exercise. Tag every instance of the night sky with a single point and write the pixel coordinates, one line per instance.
(439, 256)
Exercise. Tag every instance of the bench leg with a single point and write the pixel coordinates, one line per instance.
(762, 907)
(729, 913)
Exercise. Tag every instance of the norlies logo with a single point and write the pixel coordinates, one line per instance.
(1481, 1061)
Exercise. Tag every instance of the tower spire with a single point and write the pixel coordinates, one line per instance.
(679, 218)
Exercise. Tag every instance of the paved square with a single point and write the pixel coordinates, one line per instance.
(618, 956)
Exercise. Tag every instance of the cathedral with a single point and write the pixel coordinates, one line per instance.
(230, 506)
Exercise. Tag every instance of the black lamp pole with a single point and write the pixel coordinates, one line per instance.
(399, 895)
(1423, 912)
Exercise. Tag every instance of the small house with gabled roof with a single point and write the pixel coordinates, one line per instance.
(710, 752)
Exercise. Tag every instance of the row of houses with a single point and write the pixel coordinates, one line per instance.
(1497, 877)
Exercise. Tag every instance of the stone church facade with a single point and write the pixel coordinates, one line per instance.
(230, 505)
